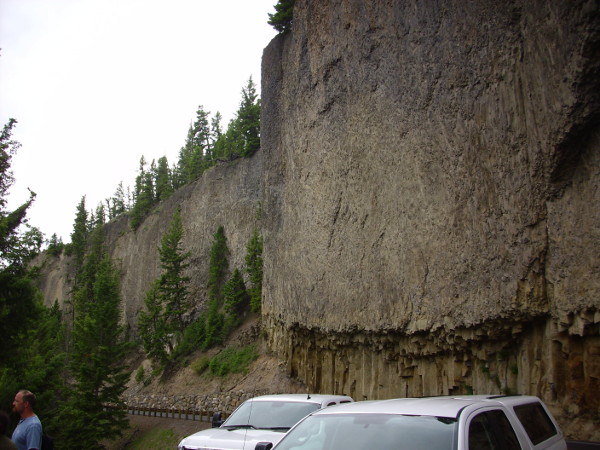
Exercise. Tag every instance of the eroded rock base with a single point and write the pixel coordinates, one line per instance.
(538, 358)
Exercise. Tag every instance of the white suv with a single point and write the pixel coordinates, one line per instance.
(264, 418)
(432, 423)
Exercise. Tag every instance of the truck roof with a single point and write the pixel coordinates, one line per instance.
(442, 406)
(320, 399)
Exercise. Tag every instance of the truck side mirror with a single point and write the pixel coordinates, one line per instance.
(264, 446)
(216, 420)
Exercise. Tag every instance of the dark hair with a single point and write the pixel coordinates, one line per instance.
(28, 397)
(4, 421)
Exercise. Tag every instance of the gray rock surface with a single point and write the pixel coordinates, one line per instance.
(422, 162)
(431, 188)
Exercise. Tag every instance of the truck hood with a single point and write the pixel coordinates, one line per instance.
(223, 439)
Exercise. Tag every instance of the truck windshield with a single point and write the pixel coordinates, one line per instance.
(275, 415)
(364, 431)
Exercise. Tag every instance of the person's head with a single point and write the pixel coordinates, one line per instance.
(4, 421)
(24, 403)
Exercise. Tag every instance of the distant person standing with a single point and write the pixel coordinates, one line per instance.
(5, 442)
(28, 434)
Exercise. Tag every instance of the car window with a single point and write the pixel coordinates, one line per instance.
(270, 414)
(371, 431)
(536, 422)
(491, 430)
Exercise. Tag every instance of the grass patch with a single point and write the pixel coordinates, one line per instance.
(232, 360)
(155, 439)
(200, 365)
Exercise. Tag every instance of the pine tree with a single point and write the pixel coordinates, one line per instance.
(100, 215)
(10, 221)
(152, 327)
(117, 202)
(143, 196)
(217, 270)
(55, 245)
(202, 135)
(30, 343)
(216, 129)
(231, 145)
(173, 283)
(162, 181)
(235, 297)
(218, 264)
(162, 323)
(85, 275)
(215, 324)
(247, 122)
(99, 375)
(201, 144)
(254, 268)
(283, 17)
(184, 174)
(80, 233)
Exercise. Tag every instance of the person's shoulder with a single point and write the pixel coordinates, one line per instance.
(32, 420)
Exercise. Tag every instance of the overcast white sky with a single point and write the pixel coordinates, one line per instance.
(96, 84)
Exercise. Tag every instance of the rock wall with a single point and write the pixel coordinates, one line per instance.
(224, 402)
(431, 198)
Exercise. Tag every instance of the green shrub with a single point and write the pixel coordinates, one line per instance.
(139, 375)
(193, 337)
(232, 360)
(200, 365)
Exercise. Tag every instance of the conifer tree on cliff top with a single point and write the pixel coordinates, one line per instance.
(284, 14)
(80, 233)
(247, 121)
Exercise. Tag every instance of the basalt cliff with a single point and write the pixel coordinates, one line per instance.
(428, 193)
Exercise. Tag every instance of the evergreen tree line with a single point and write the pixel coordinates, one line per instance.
(205, 145)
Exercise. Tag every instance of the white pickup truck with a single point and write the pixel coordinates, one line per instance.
(475, 422)
(264, 418)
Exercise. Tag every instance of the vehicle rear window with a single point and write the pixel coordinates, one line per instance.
(536, 422)
(492, 430)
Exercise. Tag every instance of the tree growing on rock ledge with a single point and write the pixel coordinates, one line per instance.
(254, 267)
(168, 299)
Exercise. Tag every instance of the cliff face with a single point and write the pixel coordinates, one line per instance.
(228, 195)
(431, 198)
(429, 188)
